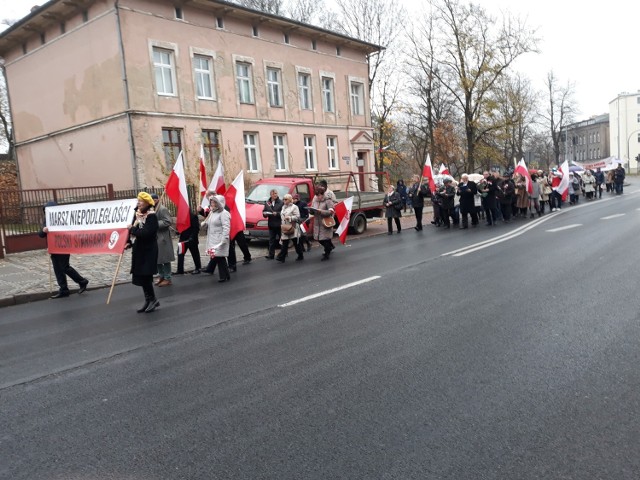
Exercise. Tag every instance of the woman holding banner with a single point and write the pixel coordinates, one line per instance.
(144, 250)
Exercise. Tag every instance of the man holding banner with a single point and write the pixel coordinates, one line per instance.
(61, 265)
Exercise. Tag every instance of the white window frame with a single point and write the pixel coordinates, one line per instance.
(245, 80)
(357, 98)
(280, 151)
(251, 151)
(332, 152)
(328, 93)
(310, 153)
(274, 86)
(166, 70)
(304, 91)
(203, 77)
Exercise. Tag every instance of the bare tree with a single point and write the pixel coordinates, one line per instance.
(374, 21)
(306, 11)
(6, 138)
(473, 51)
(275, 7)
(560, 111)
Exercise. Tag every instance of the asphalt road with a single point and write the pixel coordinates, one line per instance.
(508, 352)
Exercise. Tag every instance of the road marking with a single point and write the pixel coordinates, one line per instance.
(613, 216)
(566, 227)
(327, 292)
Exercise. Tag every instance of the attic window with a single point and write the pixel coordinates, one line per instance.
(179, 14)
(24, 48)
(286, 38)
(338, 50)
(85, 16)
(219, 22)
(314, 45)
(255, 30)
(43, 39)
(63, 28)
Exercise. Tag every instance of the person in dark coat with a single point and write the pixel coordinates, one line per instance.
(62, 267)
(191, 241)
(401, 188)
(599, 176)
(144, 250)
(271, 211)
(618, 179)
(487, 189)
(166, 253)
(393, 205)
(447, 209)
(467, 191)
(506, 193)
(304, 215)
(417, 193)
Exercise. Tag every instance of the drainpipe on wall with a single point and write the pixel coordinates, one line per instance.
(125, 81)
(13, 151)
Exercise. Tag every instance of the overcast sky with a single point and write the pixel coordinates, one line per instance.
(592, 44)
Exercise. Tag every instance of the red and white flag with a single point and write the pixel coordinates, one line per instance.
(522, 169)
(176, 189)
(443, 170)
(182, 248)
(563, 187)
(343, 212)
(203, 173)
(234, 198)
(427, 172)
(217, 185)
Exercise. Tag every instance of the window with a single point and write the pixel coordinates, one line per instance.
(280, 152)
(85, 16)
(165, 74)
(327, 94)
(203, 76)
(219, 22)
(309, 152)
(332, 152)
(171, 144)
(254, 30)
(243, 73)
(286, 38)
(304, 90)
(273, 87)
(43, 38)
(63, 28)
(314, 45)
(211, 146)
(598, 137)
(338, 52)
(357, 98)
(251, 151)
(638, 99)
(179, 14)
(638, 118)
(639, 138)
(24, 48)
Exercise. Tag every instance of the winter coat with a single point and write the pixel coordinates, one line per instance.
(394, 210)
(535, 190)
(272, 206)
(589, 182)
(610, 176)
(574, 186)
(144, 251)
(467, 192)
(599, 176)
(618, 176)
(322, 208)
(522, 200)
(165, 244)
(507, 191)
(545, 189)
(401, 188)
(417, 194)
(448, 195)
(218, 224)
(488, 189)
(190, 235)
(292, 211)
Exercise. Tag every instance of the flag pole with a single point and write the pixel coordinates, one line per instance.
(50, 277)
(115, 275)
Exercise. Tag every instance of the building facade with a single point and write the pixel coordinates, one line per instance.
(624, 111)
(109, 91)
(586, 141)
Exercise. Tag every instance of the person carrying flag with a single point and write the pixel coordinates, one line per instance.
(417, 193)
(188, 240)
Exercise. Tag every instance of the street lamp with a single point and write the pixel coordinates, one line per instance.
(629, 148)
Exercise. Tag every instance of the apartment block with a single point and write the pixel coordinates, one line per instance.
(110, 91)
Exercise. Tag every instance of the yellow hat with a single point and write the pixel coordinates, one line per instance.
(145, 197)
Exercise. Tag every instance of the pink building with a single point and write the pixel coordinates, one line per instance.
(109, 91)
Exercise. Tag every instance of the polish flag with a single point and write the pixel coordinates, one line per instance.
(182, 248)
(176, 190)
(563, 188)
(427, 172)
(522, 169)
(234, 198)
(203, 173)
(217, 185)
(343, 212)
(443, 170)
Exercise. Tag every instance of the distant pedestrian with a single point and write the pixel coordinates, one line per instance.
(599, 176)
(189, 239)
(304, 215)
(290, 230)
(321, 208)
(62, 267)
(271, 211)
(218, 224)
(393, 209)
(618, 179)
(589, 182)
(144, 250)
(416, 195)
(165, 244)
(401, 188)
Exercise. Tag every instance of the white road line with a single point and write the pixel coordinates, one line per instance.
(614, 216)
(327, 292)
(566, 227)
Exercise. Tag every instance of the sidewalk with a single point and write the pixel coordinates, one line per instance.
(27, 276)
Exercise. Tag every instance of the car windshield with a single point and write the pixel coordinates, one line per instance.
(260, 193)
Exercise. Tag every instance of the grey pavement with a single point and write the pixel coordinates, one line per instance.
(28, 276)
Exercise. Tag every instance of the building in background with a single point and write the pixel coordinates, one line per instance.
(624, 111)
(106, 91)
(588, 140)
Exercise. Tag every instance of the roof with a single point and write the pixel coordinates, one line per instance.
(57, 10)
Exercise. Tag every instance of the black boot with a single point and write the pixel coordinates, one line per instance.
(153, 303)
(147, 300)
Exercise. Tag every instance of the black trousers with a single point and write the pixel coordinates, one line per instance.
(389, 225)
(195, 254)
(418, 213)
(284, 249)
(241, 240)
(223, 268)
(274, 240)
(62, 269)
(465, 219)
(147, 287)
